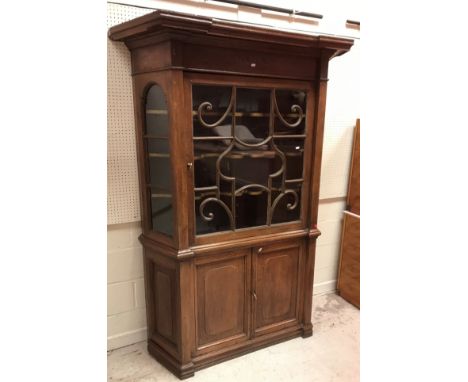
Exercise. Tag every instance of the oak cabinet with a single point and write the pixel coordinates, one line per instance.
(246, 293)
(229, 127)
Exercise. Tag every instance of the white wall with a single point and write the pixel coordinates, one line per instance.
(126, 316)
(126, 312)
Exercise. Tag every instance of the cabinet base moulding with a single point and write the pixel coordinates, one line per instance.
(168, 361)
(225, 354)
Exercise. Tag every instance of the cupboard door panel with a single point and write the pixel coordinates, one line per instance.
(276, 286)
(219, 299)
(222, 303)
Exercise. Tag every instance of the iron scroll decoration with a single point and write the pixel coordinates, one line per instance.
(272, 204)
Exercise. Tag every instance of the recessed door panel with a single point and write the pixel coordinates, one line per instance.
(277, 280)
(222, 303)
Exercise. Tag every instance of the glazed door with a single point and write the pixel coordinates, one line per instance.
(223, 302)
(276, 286)
(250, 143)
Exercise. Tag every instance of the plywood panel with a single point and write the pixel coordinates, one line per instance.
(353, 201)
(349, 277)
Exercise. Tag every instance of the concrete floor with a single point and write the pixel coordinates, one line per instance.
(330, 355)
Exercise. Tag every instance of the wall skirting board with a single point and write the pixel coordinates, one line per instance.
(126, 338)
(324, 288)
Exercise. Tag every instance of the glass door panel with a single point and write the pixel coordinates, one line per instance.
(159, 177)
(248, 156)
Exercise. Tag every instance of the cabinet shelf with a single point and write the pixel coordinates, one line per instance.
(222, 138)
(238, 155)
(156, 111)
(151, 136)
(229, 194)
(243, 114)
(243, 155)
(161, 195)
(206, 194)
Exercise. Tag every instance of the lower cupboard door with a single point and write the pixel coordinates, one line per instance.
(222, 300)
(276, 286)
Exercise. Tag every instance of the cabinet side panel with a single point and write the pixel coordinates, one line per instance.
(162, 302)
(164, 308)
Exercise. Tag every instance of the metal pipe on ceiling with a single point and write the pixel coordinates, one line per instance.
(270, 8)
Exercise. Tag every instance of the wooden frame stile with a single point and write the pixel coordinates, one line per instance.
(314, 233)
(221, 294)
(188, 145)
(185, 270)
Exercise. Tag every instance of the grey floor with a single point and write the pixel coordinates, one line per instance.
(330, 355)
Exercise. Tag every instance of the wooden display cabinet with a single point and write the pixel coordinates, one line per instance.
(229, 125)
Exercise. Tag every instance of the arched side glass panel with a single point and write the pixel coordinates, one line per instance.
(159, 177)
(248, 156)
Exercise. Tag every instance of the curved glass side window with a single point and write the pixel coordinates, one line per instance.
(159, 178)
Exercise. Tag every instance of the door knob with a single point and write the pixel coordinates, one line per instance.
(189, 165)
(260, 250)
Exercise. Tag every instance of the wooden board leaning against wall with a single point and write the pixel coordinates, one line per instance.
(349, 269)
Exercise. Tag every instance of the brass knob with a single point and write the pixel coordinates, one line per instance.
(260, 250)
(189, 165)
